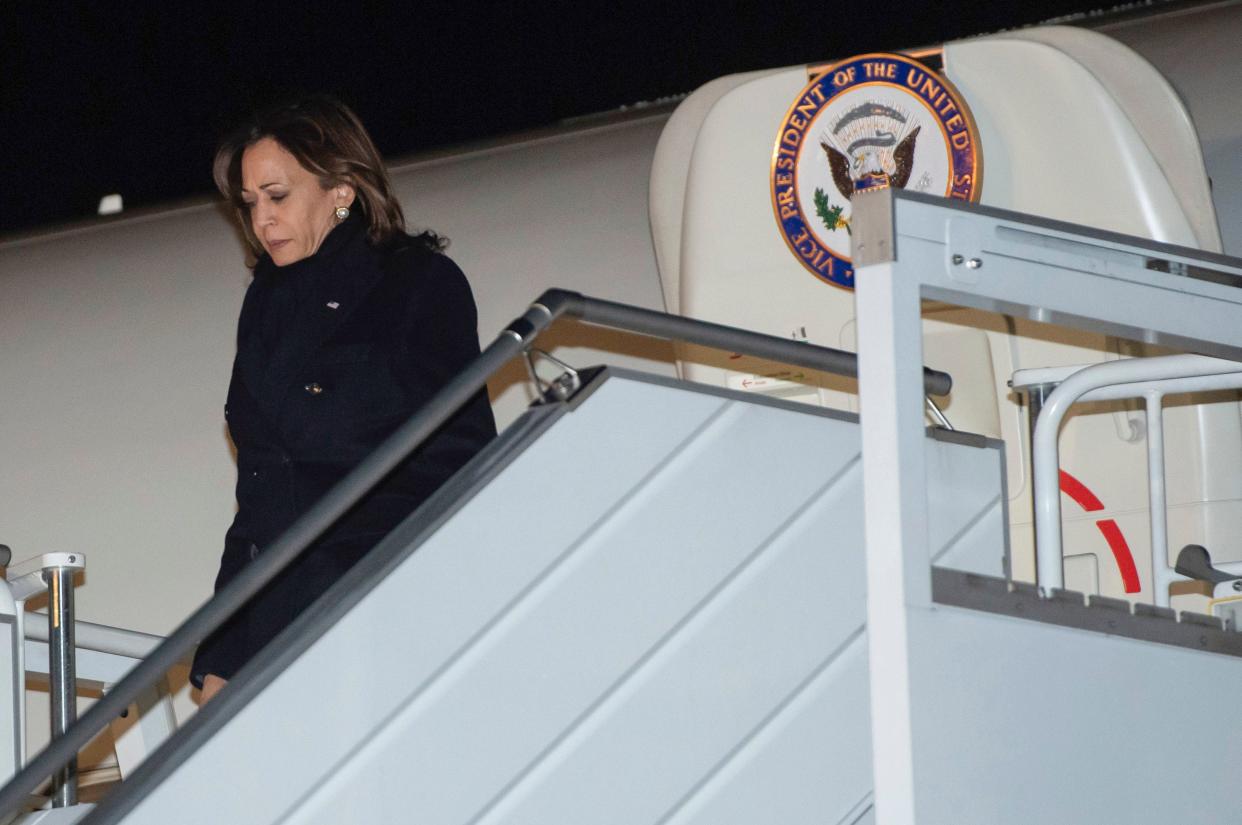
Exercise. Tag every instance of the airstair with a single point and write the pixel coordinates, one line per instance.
(650, 601)
(681, 610)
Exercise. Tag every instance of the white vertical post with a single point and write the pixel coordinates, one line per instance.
(1046, 493)
(895, 509)
(1161, 574)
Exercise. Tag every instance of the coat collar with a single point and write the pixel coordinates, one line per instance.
(339, 276)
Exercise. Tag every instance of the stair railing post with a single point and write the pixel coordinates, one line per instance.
(56, 572)
(62, 674)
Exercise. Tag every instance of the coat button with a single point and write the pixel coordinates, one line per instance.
(313, 388)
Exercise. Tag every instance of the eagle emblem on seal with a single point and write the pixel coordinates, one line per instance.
(870, 147)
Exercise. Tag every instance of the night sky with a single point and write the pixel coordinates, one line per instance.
(97, 98)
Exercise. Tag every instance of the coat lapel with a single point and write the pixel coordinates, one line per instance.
(271, 372)
(333, 301)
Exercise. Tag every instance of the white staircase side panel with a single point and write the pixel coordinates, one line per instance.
(664, 641)
(814, 756)
(1024, 722)
(648, 727)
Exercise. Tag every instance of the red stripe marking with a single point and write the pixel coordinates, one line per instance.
(1088, 501)
(1078, 491)
(1121, 552)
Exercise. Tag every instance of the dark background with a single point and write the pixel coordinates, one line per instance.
(97, 98)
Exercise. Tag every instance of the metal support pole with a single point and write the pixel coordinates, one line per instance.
(1162, 574)
(1110, 381)
(63, 676)
(25, 580)
(1035, 396)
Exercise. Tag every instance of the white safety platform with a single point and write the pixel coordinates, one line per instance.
(994, 702)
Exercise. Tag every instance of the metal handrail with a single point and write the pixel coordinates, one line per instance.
(1113, 381)
(512, 340)
(103, 638)
(694, 331)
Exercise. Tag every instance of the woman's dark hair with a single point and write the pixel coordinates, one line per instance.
(330, 142)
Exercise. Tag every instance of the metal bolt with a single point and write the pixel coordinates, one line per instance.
(957, 260)
(974, 263)
(1237, 585)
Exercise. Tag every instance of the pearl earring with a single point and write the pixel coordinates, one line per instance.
(342, 212)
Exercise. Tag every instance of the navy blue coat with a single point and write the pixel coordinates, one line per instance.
(334, 353)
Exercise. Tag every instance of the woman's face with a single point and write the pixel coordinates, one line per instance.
(290, 212)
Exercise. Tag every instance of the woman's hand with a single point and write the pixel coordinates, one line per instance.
(212, 684)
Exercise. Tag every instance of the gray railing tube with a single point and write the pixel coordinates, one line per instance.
(104, 638)
(678, 328)
(513, 339)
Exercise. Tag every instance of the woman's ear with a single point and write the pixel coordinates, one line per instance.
(344, 194)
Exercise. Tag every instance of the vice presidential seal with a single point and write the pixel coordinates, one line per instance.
(872, 121)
